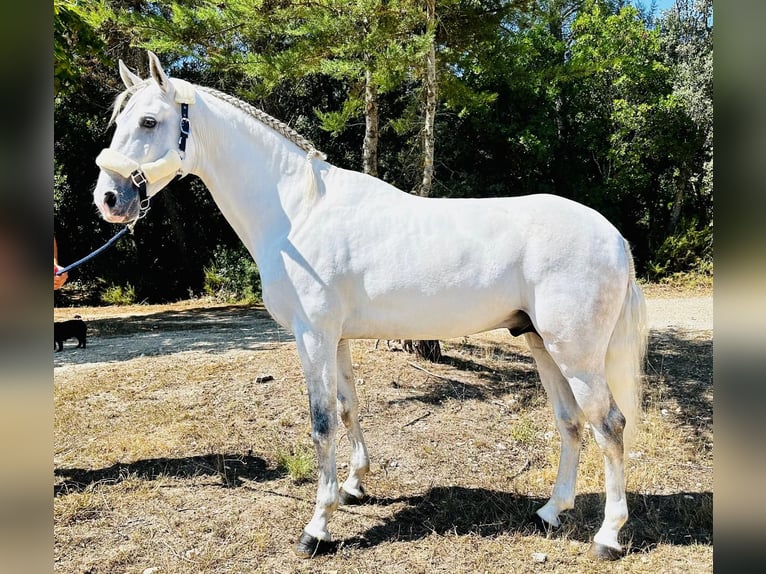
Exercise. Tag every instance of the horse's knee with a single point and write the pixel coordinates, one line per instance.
(615, 422)
(570, 427)
(613, 425)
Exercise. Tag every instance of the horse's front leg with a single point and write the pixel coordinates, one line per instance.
(352, 491)
(318, 357)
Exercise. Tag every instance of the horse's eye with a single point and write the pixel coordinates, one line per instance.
(148, 122)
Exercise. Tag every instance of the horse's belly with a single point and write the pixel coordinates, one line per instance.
(442, 316)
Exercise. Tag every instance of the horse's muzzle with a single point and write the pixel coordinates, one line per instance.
(117, 205)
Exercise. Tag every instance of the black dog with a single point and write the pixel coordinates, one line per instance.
(73, 329)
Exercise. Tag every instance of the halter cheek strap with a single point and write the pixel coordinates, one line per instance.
(185, 127)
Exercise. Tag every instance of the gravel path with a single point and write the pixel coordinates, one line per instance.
(220, 330)
(694, 313)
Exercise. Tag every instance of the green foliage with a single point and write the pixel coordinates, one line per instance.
(232, 276)
(75, 40)
(588, 99)
(523, 431)
(689, 250)
(336, 121)
(298, 463)
(119, 295)
(61, 187)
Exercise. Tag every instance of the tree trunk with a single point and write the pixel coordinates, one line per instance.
(559, 169)
(430, 350)
(677, 204)
(429, 84)
(370, 145)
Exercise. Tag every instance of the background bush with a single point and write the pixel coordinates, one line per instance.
(232, 276)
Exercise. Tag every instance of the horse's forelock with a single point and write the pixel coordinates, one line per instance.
(123, 97)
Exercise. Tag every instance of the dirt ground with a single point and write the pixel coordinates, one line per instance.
(200, 326)
(172, 451)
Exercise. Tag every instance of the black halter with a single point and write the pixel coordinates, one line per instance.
(185, 128)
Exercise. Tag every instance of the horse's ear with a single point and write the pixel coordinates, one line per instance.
(128, 78)
(155, 68)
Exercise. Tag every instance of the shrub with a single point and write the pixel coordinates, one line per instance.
(119, 295)
(523, 431)
(690, 250)
(232, 276)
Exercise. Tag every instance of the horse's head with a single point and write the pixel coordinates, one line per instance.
(148, 148)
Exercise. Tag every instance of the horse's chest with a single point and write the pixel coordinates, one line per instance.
(279, 305)
(298, 297)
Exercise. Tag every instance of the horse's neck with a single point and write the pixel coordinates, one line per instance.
(255, 175)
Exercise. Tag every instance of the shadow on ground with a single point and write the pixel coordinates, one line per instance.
(229, 467)
(207, 330)
(679, 370)
(680, 519)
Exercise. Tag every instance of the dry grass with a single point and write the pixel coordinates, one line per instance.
(680, 285)
(170, 455)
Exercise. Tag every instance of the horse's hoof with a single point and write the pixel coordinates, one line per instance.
(309, 546)
(602, 552)
(540, 525)
(347, 499)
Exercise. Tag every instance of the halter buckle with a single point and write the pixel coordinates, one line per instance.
(138, 178)
(185, 127)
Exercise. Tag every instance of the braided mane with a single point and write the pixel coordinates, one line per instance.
(278, 126)
(269, 121)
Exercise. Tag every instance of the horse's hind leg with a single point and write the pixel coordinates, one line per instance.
(589, 388)
(352, 491)
(569, 422)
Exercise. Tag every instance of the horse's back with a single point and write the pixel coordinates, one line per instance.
(479, 239)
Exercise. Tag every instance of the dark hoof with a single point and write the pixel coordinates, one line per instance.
(602, 552)
(308, 546)
(541, 525)
(347, 499)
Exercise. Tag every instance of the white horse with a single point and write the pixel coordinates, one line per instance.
(333, 247)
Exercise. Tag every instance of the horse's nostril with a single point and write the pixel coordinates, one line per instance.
(110, 198)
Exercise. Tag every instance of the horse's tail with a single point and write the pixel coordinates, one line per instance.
(625, 355)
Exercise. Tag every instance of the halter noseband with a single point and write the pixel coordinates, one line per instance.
(169, 164)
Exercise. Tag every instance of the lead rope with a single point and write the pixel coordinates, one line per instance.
(90, 256)
(145, 206)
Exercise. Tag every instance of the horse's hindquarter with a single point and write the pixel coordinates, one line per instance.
(384, 264)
